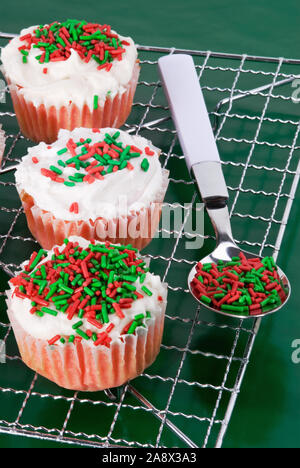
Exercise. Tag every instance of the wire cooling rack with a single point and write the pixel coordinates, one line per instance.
(186, 398)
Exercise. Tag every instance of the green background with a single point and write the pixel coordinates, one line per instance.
(267, 412)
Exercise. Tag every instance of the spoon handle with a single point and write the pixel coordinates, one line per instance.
(189, 113)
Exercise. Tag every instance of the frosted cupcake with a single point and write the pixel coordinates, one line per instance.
(68, 75)
(97, 184)
(87, 316)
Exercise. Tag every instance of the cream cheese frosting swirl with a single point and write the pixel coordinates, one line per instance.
(116, 194)
(72, 80)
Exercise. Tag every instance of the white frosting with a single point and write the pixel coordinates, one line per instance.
(48, 326)
(70, 80)
(103, 198)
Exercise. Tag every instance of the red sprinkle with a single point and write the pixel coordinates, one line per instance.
(74, 208)
(54, 339)
(95, 323)
(118, 310)
(149, 152)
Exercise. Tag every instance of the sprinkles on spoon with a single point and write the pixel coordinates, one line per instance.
(242, 286)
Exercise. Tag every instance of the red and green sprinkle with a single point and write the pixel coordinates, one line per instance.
(90, 283)
(91, 41)
(93, 161)
(240, 287)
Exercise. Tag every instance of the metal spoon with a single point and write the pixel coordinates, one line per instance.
(189, 113)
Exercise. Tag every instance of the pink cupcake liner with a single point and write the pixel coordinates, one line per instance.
(42, 123)
(84, 367)
(50, 231)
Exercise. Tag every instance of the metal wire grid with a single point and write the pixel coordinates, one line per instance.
(177, 424)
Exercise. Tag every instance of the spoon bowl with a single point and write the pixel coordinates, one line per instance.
(225, 251)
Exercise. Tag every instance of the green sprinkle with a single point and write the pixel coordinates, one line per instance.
(96, 102)
(81, 313)
(132, 279)
(82, 334)
(130, 287)
(89, 291)
(43, 272)
(116, 135)
(205, 299)
(147, 291)
(119, 257)
(66, 288)
(235, 309)
(60, 41)
(62, 151)
(145, 164)
(40, 254)
(132, 328)
(111, 277)
(76, 279)
(104, 312)
(142, 278)
(99, 248)
(139, 317)
(49, 311)
(63, 308)
(56, 170)
(77, 325)
(52, 290)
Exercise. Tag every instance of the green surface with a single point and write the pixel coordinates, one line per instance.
(267, 411)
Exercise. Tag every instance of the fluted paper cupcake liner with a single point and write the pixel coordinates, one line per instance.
(42, 123)
(85, 367)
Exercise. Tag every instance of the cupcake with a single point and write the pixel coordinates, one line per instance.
(68, 75)
(97, 184)
(88, 316)
(2, 143)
